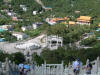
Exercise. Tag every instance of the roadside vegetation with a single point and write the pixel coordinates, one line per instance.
(14, 57)
(68, 56)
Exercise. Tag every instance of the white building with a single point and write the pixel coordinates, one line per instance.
(49, 21)
(28, 55)
(9, 14)
(6, 27)
(53, 42)
(36, 25)
(34, 12)
(24, 28)
(19, 35)
(23, 7)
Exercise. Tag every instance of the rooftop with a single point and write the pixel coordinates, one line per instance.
(57, 19)
(84, 18)
(72, 23)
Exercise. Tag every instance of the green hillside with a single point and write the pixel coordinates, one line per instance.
(86, 7)
(63, 7)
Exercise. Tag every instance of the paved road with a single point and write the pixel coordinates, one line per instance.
(10, 47)
(80, 46)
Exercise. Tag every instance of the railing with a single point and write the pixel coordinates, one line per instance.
(9, 68)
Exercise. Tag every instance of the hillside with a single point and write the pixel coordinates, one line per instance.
(86, 7)
(62, 7)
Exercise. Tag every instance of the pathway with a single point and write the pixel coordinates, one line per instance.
(43, 6)
(10, 47)
(80, 46)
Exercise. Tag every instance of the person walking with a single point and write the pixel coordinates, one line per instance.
(88, 68)
(76, 66)
(22, 71)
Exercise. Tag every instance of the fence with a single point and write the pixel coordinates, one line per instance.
(9, 68)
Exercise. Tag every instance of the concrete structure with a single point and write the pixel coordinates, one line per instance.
(7, 1)
(36, 25)
(8, 68)
(9, 14)
(23, 7)
(19, 35)
(14, 18)
(43, 6)
(24, 28)
(53, 42)
(28, 55)
(7, 27)
(84, 20)
(34, 12)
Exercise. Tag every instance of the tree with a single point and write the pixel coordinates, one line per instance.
(37, 59)
(17, 57)
(8, 36)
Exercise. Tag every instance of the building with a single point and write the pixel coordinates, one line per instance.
(14, 18)
(2, 39)
(36, 25)
(19, 35)
(7, 27)
(50, 21)
(7, 1)
(23, 7)
(53, 42)
(53, 21)
(84, 20)
(99, 25)
(71, 23)
(24, 28)
(34, 12)
(9, 14)
(28, 55)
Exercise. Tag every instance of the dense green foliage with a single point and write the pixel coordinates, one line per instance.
(37, 59)
(86, 7)
(70, 34)
(61, 8)
(8, 36)
(89, 41)
(3, 56)
(69, 55)
(33, 33)
(15, 57)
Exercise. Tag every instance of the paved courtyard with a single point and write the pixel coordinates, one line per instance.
(10, 47)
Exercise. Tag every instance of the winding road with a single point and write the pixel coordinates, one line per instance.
(43, 6)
